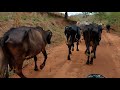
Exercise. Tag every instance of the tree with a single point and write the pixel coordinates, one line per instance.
(66, 15)
(100, 15)
(86, 14)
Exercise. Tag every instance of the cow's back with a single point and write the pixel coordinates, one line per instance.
(16, 35)
(73, 30)
(90, 32)
(36, 40)
(25, 39)
(107, 26)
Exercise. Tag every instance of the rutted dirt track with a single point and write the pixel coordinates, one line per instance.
(107, 61)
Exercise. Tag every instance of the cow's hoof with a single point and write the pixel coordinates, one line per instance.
(36, 69)
(77, 50)
(69, 59)
(42, 66)
(91, 62)
(94, 57)
(70, 52)
(87, 63)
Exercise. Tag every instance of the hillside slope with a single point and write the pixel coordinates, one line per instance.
(52, 21)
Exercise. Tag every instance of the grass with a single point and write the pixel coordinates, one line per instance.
(80, 18)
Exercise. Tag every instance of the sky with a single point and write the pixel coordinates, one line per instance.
(72, 13)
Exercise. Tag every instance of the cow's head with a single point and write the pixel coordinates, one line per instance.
(49, 36)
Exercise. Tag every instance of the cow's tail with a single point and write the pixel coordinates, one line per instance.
(26, 34)
(88, 42)
(78, 34)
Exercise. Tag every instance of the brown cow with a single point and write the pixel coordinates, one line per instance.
(72, 34)
(3, 62)
(25, 42)
(91, 37)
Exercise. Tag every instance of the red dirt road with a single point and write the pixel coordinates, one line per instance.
(107, 61)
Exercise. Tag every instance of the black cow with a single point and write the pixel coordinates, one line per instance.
(91, 37)
(108, 28)
(24, 43)
(72, 34)
(100, 32)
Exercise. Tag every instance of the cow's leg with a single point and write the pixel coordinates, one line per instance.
(99, 38)
(88, 60)
(87, 52)
(94, 51)
(69, 52)
(109, 30)
(73, 47)
(36, 67)
(106, 30)
(45, 58)
(93, 54)
(17, 65)
(11, 64)
(18, 68)
(77, 46)
(91, 61)
(6, 71)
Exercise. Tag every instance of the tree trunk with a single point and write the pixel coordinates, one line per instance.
(66, 15)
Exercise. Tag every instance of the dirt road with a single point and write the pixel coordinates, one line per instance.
(107, 61)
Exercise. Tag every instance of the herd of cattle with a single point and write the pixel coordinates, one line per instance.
(19, 44)
(91, 34)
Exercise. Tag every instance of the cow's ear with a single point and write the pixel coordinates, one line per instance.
(50, 32)
(49, 35)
